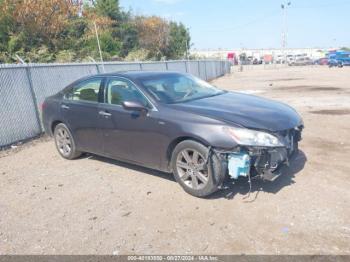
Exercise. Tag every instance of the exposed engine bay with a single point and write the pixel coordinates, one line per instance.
(262, 162)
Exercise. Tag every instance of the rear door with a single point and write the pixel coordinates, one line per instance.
(79, 109)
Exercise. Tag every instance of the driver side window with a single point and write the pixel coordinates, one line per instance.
(119, 91)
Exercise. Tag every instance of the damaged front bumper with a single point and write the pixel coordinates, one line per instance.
(264, 162)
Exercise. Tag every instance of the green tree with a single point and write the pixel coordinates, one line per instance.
(6, 23)
(139, 54)
(72, 36)
(153, 35)
(57, 30)
(179, 41)
(128, 35)
(110, 45)
(109, 8)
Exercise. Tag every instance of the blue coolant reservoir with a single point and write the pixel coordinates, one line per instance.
(238, 164)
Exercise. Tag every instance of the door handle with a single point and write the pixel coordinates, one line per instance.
(104, 113)
(64, 107)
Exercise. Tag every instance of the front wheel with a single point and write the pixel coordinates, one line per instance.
(193, 172)
(65, 142)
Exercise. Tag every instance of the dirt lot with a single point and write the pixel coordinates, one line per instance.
(98, 206)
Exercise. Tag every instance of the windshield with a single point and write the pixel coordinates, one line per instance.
(171, 89)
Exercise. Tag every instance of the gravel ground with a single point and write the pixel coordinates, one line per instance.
(94, 205)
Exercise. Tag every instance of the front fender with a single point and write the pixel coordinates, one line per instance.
(206, 134)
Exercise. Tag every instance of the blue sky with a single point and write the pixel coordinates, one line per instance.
(254, 23)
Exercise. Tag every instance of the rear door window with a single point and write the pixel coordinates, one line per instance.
(85, 91)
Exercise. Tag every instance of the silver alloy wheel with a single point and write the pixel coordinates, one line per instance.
(191, 168)
(63, 141)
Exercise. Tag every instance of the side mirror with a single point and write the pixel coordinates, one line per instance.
(134, 106)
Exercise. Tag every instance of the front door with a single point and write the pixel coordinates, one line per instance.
(129, 135)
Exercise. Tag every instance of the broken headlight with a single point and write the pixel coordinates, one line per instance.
(249, 137)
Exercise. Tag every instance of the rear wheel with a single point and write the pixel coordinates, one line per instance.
(197, 176)
(65, 143)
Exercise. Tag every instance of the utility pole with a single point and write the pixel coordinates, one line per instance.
(187, 52)
(20, 59)
(99, 47)
(284, 7)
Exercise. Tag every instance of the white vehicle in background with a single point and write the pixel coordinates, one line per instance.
(280, 59)
(301, 61)
(290, 59)
(300, 56)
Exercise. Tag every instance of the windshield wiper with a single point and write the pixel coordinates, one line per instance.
(200, 97)
(190, 93)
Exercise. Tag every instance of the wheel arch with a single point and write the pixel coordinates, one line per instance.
(178, 140)
(53, 125)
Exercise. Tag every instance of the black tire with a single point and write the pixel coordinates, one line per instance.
(64, 142)
(214, 170)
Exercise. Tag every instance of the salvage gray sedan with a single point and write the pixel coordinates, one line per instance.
(174, 123)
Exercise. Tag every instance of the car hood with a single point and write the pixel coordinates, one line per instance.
(244, 110)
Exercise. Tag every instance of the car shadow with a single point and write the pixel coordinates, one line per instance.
(231, 187)
(241, 185)
(141, 169)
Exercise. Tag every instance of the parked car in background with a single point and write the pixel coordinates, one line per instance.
(301, 61)
(280, 59)
(339, 59)
(232, 58)
(290, 59)
(334, 63)
(268, 59)
(322, 61)
(298, 56)
(175, 123)
(250, 58)
(257, 61)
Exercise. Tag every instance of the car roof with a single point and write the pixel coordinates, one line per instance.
(131, 75)
(137, 74)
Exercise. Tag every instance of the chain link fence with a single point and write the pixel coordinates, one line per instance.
(23, 88)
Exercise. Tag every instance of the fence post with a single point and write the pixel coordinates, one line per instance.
(35, 101)
(141, 66)
(186, 66)
(205, 69)
(199, 69)
(166, 66)
(97, 68)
